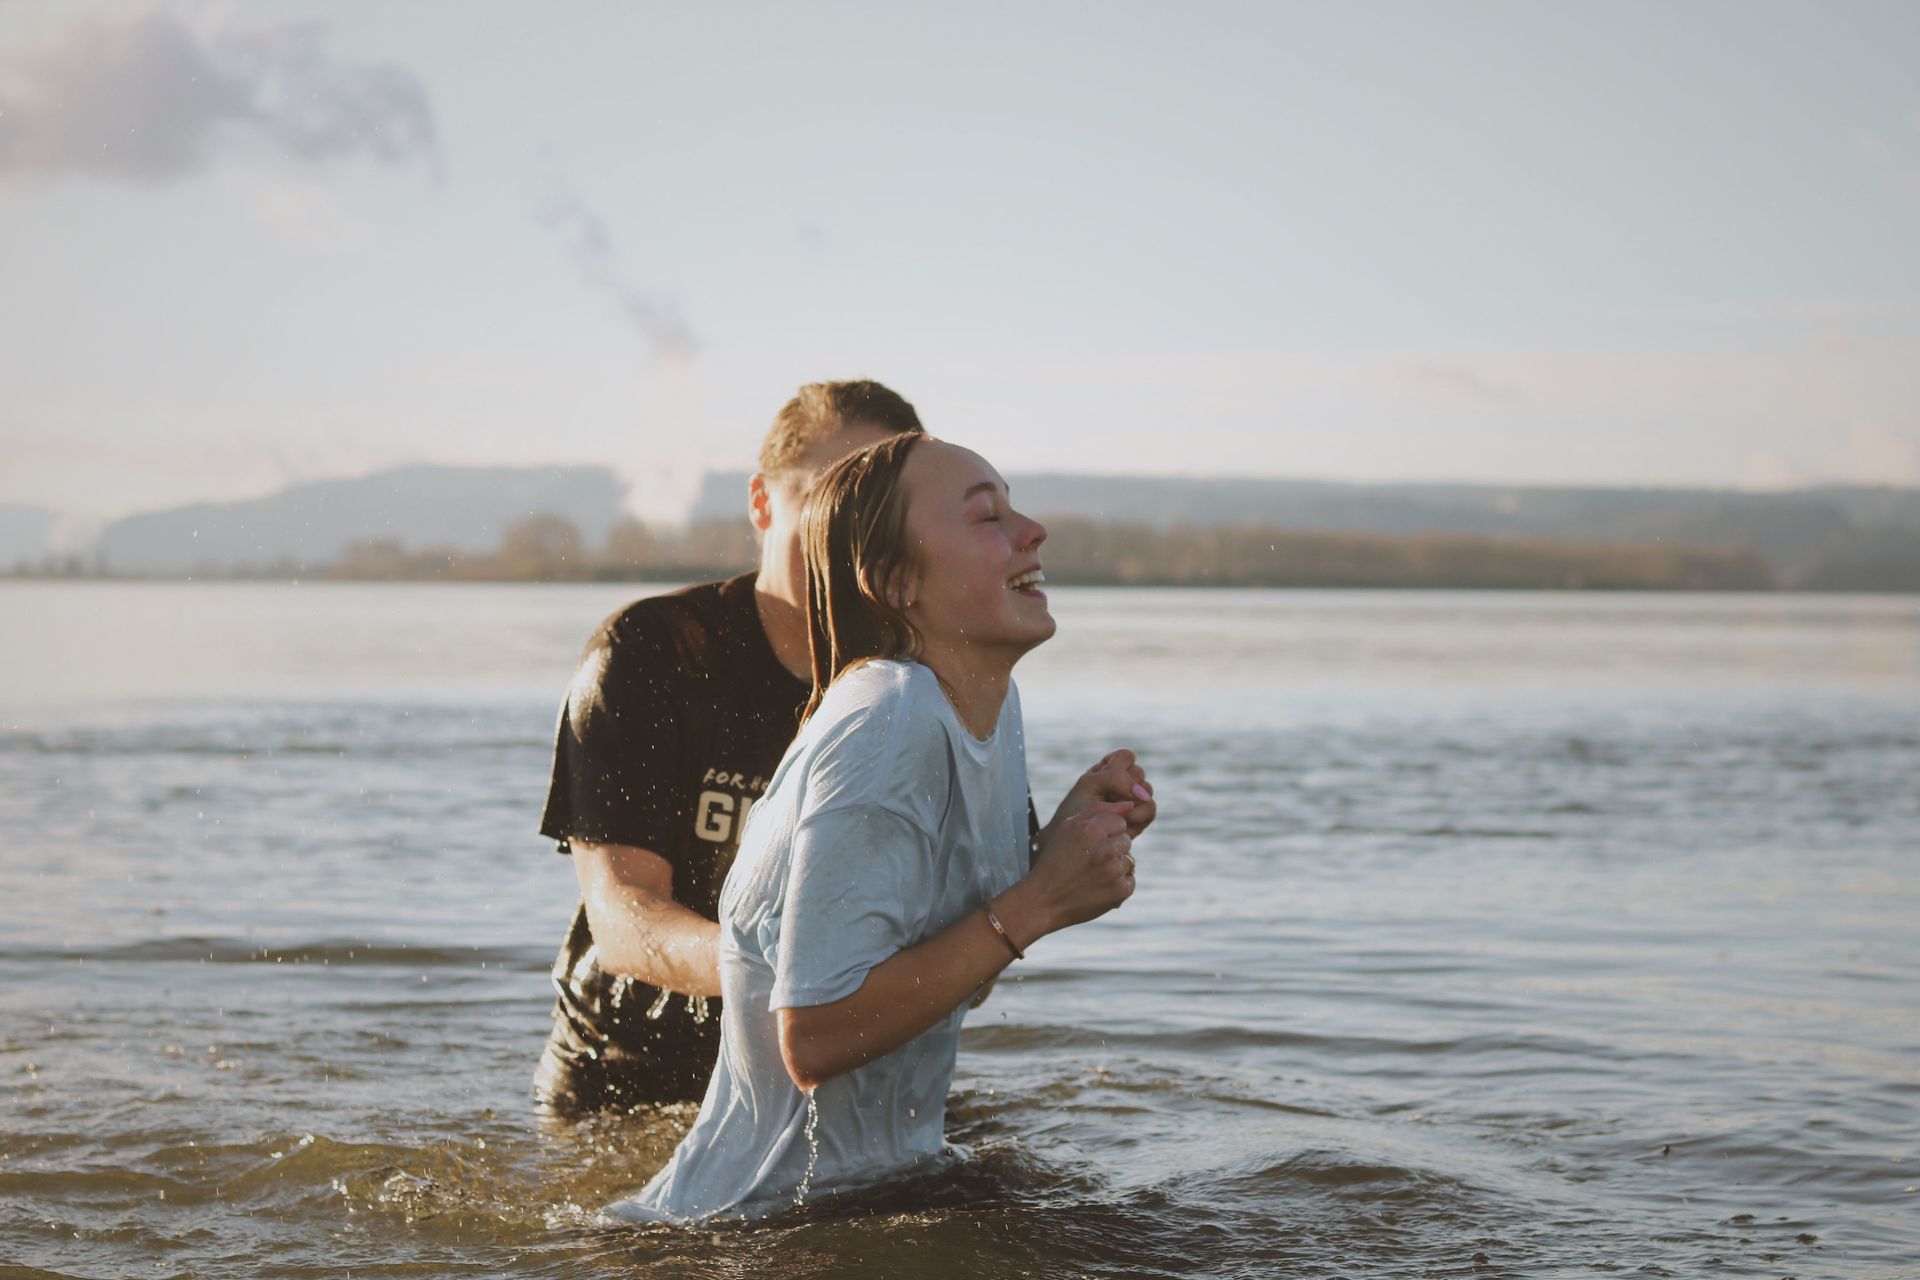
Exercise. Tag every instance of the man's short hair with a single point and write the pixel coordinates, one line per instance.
(823, 409)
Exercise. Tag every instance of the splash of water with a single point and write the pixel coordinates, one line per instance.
(813, 1151)
(659, 1005)
(697, 1006)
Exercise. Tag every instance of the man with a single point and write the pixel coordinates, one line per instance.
(681, 708)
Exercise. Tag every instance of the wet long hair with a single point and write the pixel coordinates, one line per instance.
(858, 561)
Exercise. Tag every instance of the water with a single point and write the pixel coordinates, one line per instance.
(1483, 935)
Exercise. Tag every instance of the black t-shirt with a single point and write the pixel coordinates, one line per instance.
(672, 728)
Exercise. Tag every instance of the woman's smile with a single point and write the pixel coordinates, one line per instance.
(1028, 584)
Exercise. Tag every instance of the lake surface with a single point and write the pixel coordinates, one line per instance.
(1481, 935)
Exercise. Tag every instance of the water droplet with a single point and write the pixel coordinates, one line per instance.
(659, 1005)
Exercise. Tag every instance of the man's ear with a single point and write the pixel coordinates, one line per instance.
(759, 502)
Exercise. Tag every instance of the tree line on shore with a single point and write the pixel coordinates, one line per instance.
(549, 548)
(546, 547)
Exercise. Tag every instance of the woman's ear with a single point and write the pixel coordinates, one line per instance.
(903, 586)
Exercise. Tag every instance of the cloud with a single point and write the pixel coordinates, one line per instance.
(1868, 454)
(299, 213)
(1889, 153)
(1871, 147)
(147, 96)
(1771, 473)
(1881, 454)
(1765, 412)
(584, 235)
(1457, 382)
(97, 473)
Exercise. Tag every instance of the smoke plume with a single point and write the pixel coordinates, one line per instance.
(589, 246)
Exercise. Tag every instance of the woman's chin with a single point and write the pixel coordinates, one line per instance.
(1041, 630)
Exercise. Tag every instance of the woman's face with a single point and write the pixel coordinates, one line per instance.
(977, 560)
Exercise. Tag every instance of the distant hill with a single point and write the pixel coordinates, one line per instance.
(26, 534)
(462, 508)
(1834, 537)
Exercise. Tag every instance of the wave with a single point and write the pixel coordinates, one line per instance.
(147, 742)
(1214, 1039)
(190, 949)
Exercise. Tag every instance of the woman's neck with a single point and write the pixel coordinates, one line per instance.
(976, 683)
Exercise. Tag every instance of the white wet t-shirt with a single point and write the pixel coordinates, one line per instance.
(885, 823)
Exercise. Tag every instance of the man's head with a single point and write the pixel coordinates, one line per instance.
(823, 423)
(820, 411)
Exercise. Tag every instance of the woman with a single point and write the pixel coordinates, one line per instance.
(883, 879)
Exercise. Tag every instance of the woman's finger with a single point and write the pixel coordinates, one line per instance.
(1105, 817)
(1112, 784)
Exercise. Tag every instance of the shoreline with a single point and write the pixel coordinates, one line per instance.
(673, 581)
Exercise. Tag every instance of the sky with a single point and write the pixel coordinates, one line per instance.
(243, 246)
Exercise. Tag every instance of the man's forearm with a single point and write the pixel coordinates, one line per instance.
(655, 940)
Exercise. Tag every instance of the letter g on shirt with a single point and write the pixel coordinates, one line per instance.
(721, 814)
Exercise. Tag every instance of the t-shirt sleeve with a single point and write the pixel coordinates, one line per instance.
(619, 740)
(859, 888)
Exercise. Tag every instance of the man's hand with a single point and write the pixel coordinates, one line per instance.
(1116, 779)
